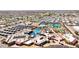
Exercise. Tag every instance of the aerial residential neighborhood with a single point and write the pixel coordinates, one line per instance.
(39, 29)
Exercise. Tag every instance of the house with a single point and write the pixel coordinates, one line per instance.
(34, 32)
(42, 24)
(37, 30)
(69, 38)
(56, 25)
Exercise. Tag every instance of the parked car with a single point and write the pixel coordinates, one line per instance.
(40, 40)
(19, 41)
(28, 42)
